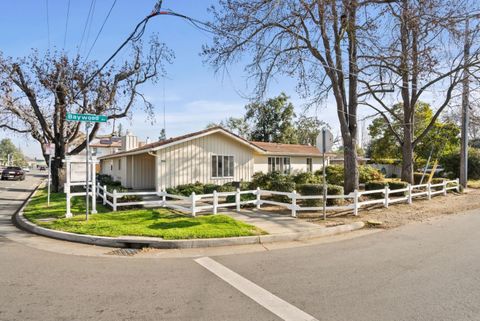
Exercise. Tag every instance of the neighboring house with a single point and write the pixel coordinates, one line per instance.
(105, 145)
(214, 155)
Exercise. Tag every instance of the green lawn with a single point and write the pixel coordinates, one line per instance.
(161, 222)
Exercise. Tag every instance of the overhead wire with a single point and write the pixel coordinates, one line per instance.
(66, 25)
(48, 23)
(89, 15)
(101, 29)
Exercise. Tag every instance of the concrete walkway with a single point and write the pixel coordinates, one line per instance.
(273, 223)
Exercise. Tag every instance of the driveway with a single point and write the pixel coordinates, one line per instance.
(428, 271)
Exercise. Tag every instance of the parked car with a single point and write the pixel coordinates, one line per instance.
(42, 168)
(13, 172)
(26, 169)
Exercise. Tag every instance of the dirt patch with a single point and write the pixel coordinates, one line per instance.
(397, 214)
(420, 210)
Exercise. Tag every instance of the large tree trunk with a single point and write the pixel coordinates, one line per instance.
(407, 158)
(350, 164)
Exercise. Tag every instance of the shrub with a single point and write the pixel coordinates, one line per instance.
(386, 161)
(374, 185)
(417, 177)
(209, 188)
(104, 179)
(368, 173)
(307, 178)
(451, 163)
(398, 185)
(261, 180)
(228, 187)
(317, 189)
(188, 189)
(243, 197)
(334, 174)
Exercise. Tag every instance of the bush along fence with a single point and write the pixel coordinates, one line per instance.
(292, 201)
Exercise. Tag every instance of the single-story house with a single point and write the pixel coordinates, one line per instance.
(213, 155)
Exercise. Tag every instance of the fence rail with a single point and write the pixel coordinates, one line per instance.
(194, 204)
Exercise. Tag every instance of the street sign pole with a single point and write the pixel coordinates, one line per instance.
(324, 145)
(49, 178)
(87, 180)
(88, 119)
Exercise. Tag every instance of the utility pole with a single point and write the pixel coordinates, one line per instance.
(465, 108)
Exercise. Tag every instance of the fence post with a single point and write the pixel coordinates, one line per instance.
(114, 200)
(429, 191)
(215, 202)
(457, 181)
(444, 188)
(104, 201)
(66, 189)
(409, 195)
(293, 195)
(258, 198)
(386, 195)
(193, 207)
(355, 202)
(164, 198)
(237, 199)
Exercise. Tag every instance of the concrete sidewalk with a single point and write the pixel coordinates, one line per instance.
(273, 223)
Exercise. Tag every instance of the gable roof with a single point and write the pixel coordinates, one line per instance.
(288, 149)
(260, 147)
(180, 139)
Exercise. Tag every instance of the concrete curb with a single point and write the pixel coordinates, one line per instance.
(155, 242)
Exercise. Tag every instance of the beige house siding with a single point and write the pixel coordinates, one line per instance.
(110, 167)
(191, 161)
(136, 171)
(143, 169)
(297, 163)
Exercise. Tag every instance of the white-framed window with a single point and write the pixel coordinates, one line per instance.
(222, 166)
(309, 165)
(279, 164)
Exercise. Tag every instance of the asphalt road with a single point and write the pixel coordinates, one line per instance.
(428, 271)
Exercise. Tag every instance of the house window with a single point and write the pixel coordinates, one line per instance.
(111, 166)
(119, 164)
(222, 166)
(279, 164)
(309, 165)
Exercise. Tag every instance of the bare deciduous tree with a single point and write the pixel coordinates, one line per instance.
(37, 91)
(418, 55)
(316, 41)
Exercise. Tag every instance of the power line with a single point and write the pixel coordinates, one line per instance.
(48, 24)
(90, 24)
(66, 25)
(101, 29)
(89, 15)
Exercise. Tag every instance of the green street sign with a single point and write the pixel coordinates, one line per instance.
(86, 118)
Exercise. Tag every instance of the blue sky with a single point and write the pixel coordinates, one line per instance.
(194, 95)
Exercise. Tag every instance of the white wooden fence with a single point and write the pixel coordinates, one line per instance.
(194, 204)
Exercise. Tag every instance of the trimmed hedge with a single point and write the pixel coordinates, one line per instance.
(397, 184)
(370, 186)
(317, 189)
(451, 163)
(335, 174)
(386, 161)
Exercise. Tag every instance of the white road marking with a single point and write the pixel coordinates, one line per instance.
(269, 301)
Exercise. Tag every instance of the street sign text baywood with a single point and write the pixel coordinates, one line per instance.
(87, 118)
